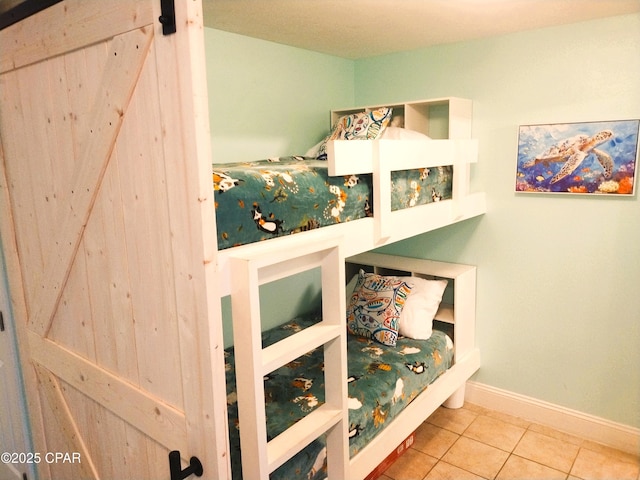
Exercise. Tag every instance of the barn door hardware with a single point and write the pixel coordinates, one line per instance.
(175, 467)
(168, 16)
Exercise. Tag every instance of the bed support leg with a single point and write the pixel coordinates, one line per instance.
(456, 400)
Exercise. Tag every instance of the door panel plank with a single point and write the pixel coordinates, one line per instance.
(17, 296)
(68, 431)
(193, 235)
(68, 26)
(148, 236)
(18, 107)
(109, 284)
(147, 413)
(127, 55)
(74, 325)
(128, 447)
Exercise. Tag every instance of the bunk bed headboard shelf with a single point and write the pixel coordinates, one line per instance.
(445, 120)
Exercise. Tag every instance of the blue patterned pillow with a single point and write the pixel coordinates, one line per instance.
(358, 126)
(375, 305)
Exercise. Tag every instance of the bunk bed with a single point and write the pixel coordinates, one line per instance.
(268, 448)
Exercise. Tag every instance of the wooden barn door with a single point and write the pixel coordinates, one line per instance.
(108, 229)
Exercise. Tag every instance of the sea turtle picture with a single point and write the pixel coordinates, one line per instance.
(589, 157)
(572, 151)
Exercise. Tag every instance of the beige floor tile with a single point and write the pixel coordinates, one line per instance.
(434, 441)
(444, 471)
(472, 407)
(456, 420)
(505, 417)
(412, 465)
(476, 457)
(518, 468)
(550, 432)
(548, 451)
(494, 432)
(611, 452)
(590, 465)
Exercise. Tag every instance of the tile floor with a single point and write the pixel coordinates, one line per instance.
(473, 443)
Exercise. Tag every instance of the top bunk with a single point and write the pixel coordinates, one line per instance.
(385, 173)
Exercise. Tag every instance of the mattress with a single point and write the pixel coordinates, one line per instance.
(382, 381)
(260, 200)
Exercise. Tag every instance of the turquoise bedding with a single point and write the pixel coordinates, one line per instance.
(382, 381)
(259, 200)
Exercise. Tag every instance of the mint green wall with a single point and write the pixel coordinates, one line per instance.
(268, 99)
(558, 303)
(558, 277)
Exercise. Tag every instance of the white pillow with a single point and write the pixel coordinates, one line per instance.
(416, 318)
(397, 133)
(315, 150)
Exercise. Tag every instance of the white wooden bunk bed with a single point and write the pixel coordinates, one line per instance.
(244, 268)
(117, 185)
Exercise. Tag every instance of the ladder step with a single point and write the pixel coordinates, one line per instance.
(296, 345)
(299, 435)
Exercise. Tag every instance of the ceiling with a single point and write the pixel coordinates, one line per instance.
(364, 28)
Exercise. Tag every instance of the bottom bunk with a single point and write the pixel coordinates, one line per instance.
(382, 381)
(391, 388)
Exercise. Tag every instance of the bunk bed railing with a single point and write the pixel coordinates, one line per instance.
(382, 157)
(347, 157)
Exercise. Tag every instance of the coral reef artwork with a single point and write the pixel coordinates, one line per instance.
(578, 158)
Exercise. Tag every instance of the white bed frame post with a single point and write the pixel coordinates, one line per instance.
(464, 292)
(259, 457)
(382, 196)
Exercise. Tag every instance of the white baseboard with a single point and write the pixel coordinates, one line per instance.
(589, 427)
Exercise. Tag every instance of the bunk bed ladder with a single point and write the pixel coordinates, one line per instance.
(259, 456)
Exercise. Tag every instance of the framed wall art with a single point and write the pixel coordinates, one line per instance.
(578, 158)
